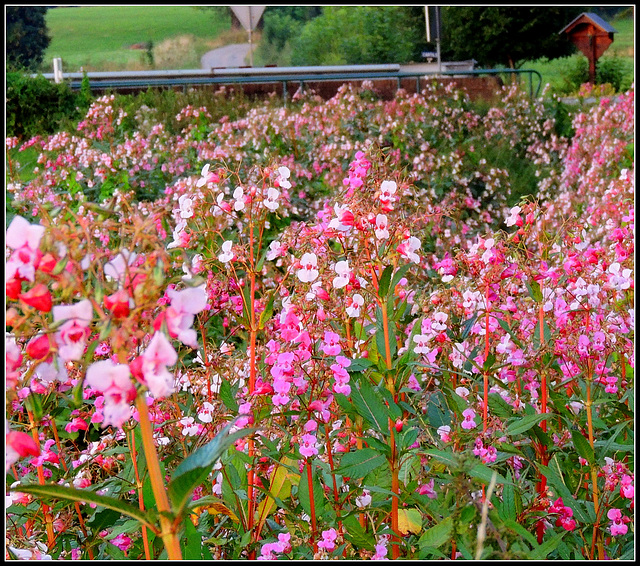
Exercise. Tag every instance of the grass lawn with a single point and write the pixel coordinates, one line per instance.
(98, 38)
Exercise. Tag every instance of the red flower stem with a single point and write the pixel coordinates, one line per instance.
(51, 539)
(312, 503)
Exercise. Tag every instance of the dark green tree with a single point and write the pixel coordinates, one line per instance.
(506, 36)
(27, 36)
(351, 35)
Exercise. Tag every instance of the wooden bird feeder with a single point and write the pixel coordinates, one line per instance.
(592, 35)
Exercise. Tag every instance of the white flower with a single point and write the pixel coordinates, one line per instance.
(227, 254)
(344, 274)
(284, 176)
(308, 271)
(381, 227)
(271, 202)
(186, 206)
(238, 195)
(354, 309)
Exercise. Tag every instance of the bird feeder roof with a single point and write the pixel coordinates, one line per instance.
(589, 17)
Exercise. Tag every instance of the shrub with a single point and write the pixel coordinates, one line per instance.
(37, 106)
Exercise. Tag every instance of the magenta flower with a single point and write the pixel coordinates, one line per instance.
(618, 522)
(331, 344)
(308, 445)
(328, 540)
(469, 416)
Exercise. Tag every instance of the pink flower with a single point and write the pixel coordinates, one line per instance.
(226, 255)
(72, 334)
(353, 309)
(24, 239)
(18, 445)
(408, 248)
(38, 297)
(155, 359)
(344, 274)
(427, 489)
(271, 202)
(185, 304)
(114, 382)
(381, 227)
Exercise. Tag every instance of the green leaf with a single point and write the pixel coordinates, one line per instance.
(542, 551)
(359, 364)
(355, 534)
(499, 407)
(447, 458)
(485, 473)
(534, 291)
(510, 507)
(582, 446)
(81, 495)
(226, 396)
(385, 281)
(520, 530)
(194, 469)
(370, 406)
(519, 425)
(438, 535)
(304, 493)
(358, 464)
(265, 315)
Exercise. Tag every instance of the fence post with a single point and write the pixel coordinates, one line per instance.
(57, 69)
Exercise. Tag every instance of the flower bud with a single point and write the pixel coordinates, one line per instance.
(38, 297)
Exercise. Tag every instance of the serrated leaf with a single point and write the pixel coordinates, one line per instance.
(437, 535)
(499, 406)
(83, 495)
(520, 425)
(355, 534)
(304, 493)
(265, 315)
(485, 473)
(226, 396)
(361, 462)
(385, 281)
(194, 469)
(369, 406)
(447, 458)
(409, 521)
(583, 448)
(542, 551)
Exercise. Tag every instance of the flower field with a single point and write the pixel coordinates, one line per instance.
(350, 329)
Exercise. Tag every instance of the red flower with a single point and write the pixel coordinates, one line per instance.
(39, 347)
(38, 297)
(118, 303)
(13, 288)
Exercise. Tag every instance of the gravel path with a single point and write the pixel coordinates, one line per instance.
(235, 55)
